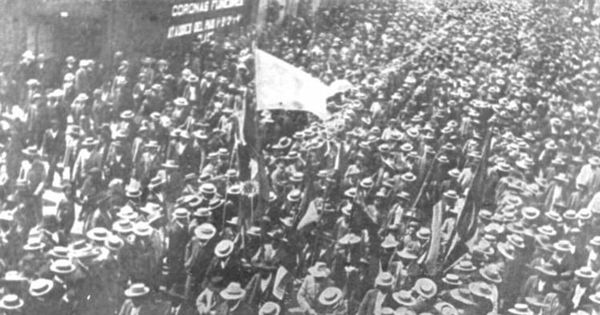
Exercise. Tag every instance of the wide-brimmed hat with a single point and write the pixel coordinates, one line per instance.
(554, 216)
(547, 230)
(137, 290)
(31, 151)
(114, 243)
(181, 213)
(224, 248)
(452, 279)
(481, 289)
(384, 279)
(11, 302)
(59, 252)
(319, 270)
(142, 229)
(170, 164)
(465, 266)
(404, 298)
(405, 310)
(546, 269)
(530, 213)
(133, 191)
(270, 308)
(585, 272)
(462, 295)
(349, 239)
(40, 287)
(330, 296)
(98, 234)
(127, 114)
(294, 195)
(490, 274)
(520, 309)
(155, 182)
(594, 160)
(563, 246)
(425, 287)
(595, 298)
(451, 194)
(595, 241)
(408, 177)
(123, 226)
(33, 245)
(205, 231)
(151, 208)
(233, 291)
(516, 240)
(62, 266)
(408, 253)
(445, 308)
(350, 192)
(389, 242)
(570, 215)
(506, 250)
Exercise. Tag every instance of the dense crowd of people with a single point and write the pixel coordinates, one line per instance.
(459, 172)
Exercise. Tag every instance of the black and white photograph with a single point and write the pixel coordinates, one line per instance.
(299, 157)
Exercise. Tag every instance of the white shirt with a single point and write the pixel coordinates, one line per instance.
(379, 302)
(579, 292)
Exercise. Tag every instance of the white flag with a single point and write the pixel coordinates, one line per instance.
(280, 85)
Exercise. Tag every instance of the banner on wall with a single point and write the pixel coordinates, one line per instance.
(202, 18)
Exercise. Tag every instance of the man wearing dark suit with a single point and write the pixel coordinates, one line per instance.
(179, 237)
(53, 146)
(379, 297)
(179, 303)
(139, 302)
(198, 254)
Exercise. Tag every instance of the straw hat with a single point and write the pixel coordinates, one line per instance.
(114, 243)
(595, 298)
(462, 295)
(481, 289)
(563, 246)
(33, 245)
(319, 270)
(384, 279)
(445, 308)
(270, 308)
(585, 273)
(11, 302)
(98, 234)
(349, 239)
(233, 292)
(404, 298)
(123, 226)
(465, 266)
(137, 290)
(40, 287)
(205, 231)
(224, 248)
(142, 229)
(62, 266)
(546, 269)
(520, 309)
(490, 274)
(330, 296)
(425, 287)
(389, 242)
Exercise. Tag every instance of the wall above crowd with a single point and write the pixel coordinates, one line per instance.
(95, 29)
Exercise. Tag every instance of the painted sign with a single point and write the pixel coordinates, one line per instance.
(202, 18)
